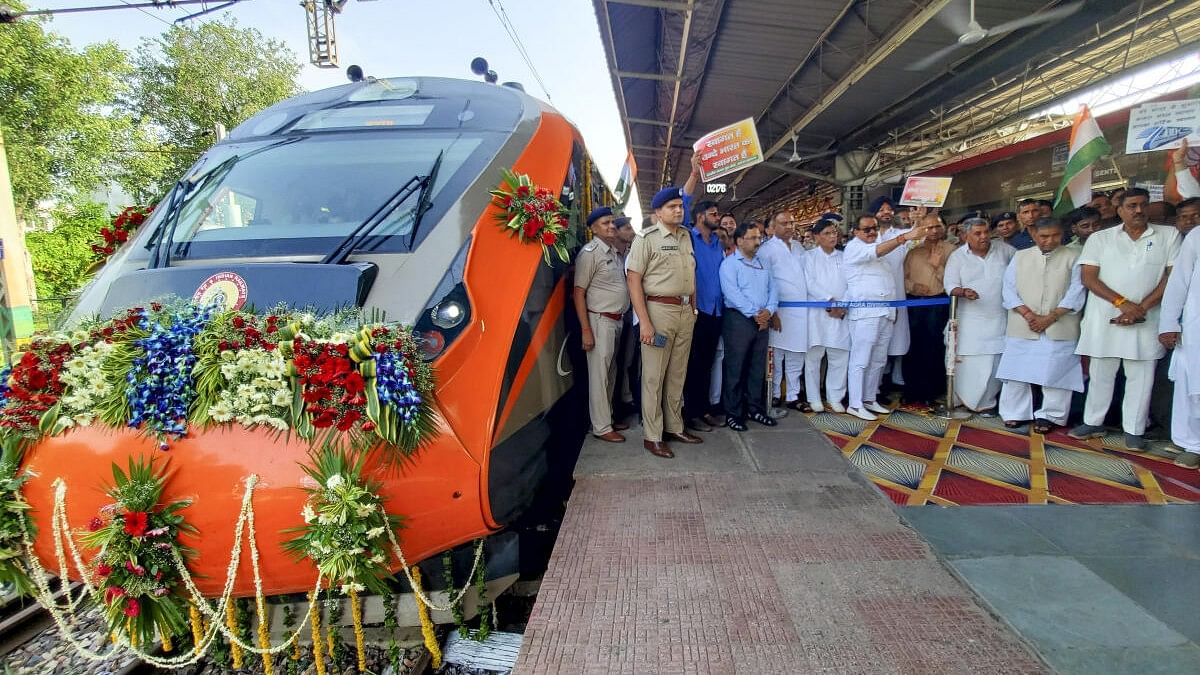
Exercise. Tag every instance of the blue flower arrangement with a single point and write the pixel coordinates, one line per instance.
(159, 384)
(395, 386)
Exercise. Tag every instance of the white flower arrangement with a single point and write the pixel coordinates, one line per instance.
(258, 391)
(346, 531)
(84, 389)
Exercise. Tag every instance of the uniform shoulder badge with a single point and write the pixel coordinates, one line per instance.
(590, 246)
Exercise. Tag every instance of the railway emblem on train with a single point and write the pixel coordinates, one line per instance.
(227, 289)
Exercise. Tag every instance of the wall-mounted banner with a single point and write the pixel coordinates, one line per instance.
(728, 149)
(925, 191)
(1163, 126)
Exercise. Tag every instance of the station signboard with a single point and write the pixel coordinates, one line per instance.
(728, 149)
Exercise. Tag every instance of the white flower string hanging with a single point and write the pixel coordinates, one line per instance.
(64, 615)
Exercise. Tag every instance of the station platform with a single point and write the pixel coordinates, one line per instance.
(761, 552)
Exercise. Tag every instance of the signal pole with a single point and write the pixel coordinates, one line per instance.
(16, 312)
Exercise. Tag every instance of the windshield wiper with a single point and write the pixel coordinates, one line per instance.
(160, 253)
(420, 185)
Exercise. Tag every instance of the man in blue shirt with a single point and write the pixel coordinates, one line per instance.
(750, 301)
(708, 252)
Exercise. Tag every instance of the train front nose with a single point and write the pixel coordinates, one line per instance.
(436, 492)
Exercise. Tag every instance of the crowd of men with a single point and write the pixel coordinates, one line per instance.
(683, 320)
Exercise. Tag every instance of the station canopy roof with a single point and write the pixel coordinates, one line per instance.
(836, 76)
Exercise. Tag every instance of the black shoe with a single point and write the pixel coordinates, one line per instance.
(736, 424)
(763, 419)
(776, 402)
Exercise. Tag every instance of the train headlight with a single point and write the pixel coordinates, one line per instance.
(448, 314)
(448, 310)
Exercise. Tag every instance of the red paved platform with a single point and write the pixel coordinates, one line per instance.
(760, 553)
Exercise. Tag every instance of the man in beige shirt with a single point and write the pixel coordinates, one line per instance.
(661, 273)
(924, 267)
(601, 300)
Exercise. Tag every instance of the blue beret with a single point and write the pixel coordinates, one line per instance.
(878, 203)
(665, 195)
(597, 214)
(830, 215)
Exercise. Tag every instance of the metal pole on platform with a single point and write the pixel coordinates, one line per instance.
(948, 410)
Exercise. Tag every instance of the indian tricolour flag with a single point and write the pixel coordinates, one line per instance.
(1087, 146)
(625, 183)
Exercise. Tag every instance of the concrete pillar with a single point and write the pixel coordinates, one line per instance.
(16, 312)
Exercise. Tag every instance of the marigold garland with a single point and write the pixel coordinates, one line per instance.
(427, 631)
(356, 615)
(533, 214)
(264, 634)
(197, 623)
(314, 617)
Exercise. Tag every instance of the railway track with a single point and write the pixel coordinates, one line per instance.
(22, 620)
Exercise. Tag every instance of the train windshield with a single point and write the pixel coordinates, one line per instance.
(305, 195)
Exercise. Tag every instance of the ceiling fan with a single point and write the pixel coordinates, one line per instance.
(973, 33)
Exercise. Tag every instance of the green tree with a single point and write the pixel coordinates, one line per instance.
(62, 256)
(61, 131)
(189, 79)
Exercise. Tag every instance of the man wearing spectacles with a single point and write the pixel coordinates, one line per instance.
(751, 301)
(869, 277)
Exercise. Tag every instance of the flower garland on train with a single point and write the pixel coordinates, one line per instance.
(165, 369)
(533, 214)
(139, 574)
(122, 227)
(137, 542)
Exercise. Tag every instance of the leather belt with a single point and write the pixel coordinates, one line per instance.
(608, 315)
(669, 299)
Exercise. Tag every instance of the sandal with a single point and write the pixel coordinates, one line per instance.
(800, 406)
(1043, 426)
(1012, 424)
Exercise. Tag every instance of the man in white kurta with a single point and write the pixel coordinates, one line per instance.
(869, 278)
(1043, 295)
(1179, 329)
(975, 275)
(788, 338)
(1125, 269)
(828, 329)
(890, 228)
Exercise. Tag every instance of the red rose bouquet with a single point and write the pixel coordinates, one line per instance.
(533, 214)
(124, 224)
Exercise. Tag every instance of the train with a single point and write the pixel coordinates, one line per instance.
(286, 210)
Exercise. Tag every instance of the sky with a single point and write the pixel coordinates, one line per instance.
(391, 38)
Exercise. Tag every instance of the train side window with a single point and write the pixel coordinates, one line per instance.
(571, 192)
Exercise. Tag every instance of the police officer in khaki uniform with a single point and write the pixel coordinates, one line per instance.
(601, 300)
(662, 286)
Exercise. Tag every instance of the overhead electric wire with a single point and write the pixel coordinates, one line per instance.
(506, 23)
(156, 18)
(8, 15)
